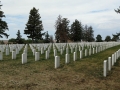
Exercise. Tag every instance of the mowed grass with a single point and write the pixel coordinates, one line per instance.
(84, 74)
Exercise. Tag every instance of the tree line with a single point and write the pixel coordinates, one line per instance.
(64, 32)
(76, 32)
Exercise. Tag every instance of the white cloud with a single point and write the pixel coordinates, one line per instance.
(99, 14)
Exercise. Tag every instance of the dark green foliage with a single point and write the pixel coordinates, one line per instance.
(34, 25)
(3, 25)
(47, 38)
(13, 40)
(19, 39)
(98, 38)
(108, 38)
(28, 41)
(116, 37)
(76, 31)
(118, 10)
(62, 29)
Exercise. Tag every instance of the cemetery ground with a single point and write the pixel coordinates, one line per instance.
(82, 74)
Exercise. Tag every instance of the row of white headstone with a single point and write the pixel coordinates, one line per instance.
(107, 64)
(84, 44)
(67, 58)
(24, 55)
(91, 48)
(14, 49)
(35, 49)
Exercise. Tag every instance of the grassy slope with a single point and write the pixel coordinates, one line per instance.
(85, 74)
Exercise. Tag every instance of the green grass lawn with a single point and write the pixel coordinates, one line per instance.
(84, 74)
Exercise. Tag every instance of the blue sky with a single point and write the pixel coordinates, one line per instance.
(99, 14)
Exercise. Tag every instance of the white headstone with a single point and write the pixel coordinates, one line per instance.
(80, 54)
(7, 51)
(74, 56)
(42, 50)
(67, 58)
(57, 61)
(36, 56)
(105, 68)
(47, 55)
(109, 63)
(24, 58)
(55, 52)
(13, 54)
(89, 52)
(113, 59)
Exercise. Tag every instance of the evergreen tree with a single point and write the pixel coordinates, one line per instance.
(34, 25)
(3, 25)
(47, 38)
(19, 37)
(76, 31)
(118, 10)
(98, 38)
(108, 38)
(62, 29)
(115, 37)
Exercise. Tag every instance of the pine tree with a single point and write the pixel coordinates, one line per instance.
(115, 37)
(3, 25)
(47, 38)
(76, 31)
(118, 10)
(34, 25)
(19, 37)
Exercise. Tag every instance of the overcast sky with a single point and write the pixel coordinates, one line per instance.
(99, 14)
